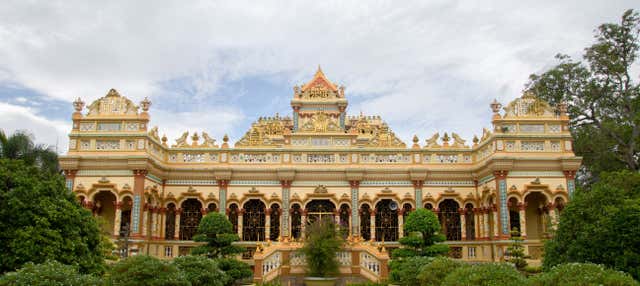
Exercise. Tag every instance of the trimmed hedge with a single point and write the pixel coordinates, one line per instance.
(435, 272)
(488, 274)
(577, 274)
(48, 273)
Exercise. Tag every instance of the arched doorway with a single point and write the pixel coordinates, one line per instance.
(345, 213)
(233, 216)
(104, 206)
(212, 207)
(470, 222)
(536, 215)
(125, 216)
(320, 210)
(386, 220)
(190, 218)
(170, 222)
(514, 215)
(253, 220)
(450, 219)
(406, 211)
(296, 221)
(365, 222)
(274, 231)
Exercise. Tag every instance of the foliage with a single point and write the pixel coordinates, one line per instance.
(516, 250)
(106, 245)
(404, 271)
(434, 273)
(487, 274)
(234, 268)
(423, 228)
(601, 226)
(20, 146)
(41, 220)
(146, 270)
(217, 231)
(322, 242)
(532, 269)
(575, 274)
(603, 100)
(201, 271)
(48, 273)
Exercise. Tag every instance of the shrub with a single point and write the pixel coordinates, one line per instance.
(435, 272)
(201, 271)
(423, 229)
(322, 243)
(487, 274)
(404, 271)
(234, 269)
(217, 231)
(48, 273)
(146, 270)
(583, 274)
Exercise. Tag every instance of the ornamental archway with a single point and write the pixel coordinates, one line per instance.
(320, 210)
(190, 218)
(253, 220)
(104, 206)
(386, 220)
(450, 219)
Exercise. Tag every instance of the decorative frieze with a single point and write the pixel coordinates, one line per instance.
(532, 128)
(107, 144)
(528, 146)
(108, 127)
(87, 126)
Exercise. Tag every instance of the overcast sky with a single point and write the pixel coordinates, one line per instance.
(216, 66)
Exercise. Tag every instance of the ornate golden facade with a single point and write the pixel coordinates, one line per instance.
(321, 162)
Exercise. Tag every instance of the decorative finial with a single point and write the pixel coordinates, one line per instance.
(475, 140)
(225, 139)
(415, 139)
(78, 104)
(145, 104)
(113, 92)
(164, 139)
(445, 139)
(495, 106)
(195, 139)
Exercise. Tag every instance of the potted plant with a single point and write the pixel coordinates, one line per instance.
(322, 243)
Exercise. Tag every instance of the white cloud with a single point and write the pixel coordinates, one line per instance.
(46, 131)
(423, 65)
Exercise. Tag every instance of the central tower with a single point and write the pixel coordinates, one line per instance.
(319, 106)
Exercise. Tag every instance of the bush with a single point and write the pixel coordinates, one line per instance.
(201, 271)
(146, 270)
(435, 272)
(322, 243)
(488, 274)
(423, 229)
(583, 274)
(404, 271)
(234, 269)
(532, 269)
(217, 231)
(48, 273)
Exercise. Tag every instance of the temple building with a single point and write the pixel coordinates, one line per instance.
(321, 162)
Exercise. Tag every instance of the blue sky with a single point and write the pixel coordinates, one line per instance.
(215, 66)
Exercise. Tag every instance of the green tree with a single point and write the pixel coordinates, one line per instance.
(423, 230)
(201, 271)
(217, 231)
(321, 245)
(516, 250)
(601, 226)
(41, 220)
(405, 271)
(603, 99)
(486, 274)
(235, 269)
(434, 273)
(577, 274)
(49, 273)
(20, 146)
(142, 270)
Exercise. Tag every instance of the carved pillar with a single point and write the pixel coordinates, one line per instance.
(145, 219)
(522, 207)
(400, 223)
(336, 217)
(417, 188)
(496, 220)
(222, 194)
(162, 219)
(240, 223)
(553, 216)
(137, 210)
(70, 178)
(116, 223)
(477, 212)
(286, 202)
(571, 182)
(267, 224)
(176, 228)
(463, 226)
(355, 220)
(485, 222)
(503, 219)
(303, 223)
(373, 224)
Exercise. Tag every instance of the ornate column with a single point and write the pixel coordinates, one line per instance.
(285, 226)
(336, 217)
(571, 182)
(176, 228)
(222, 194)
(303, 223)
(267, 224)
(553, 216)
(240, 222)
(501, 186)
(162, 218)
(463, 226)
(485, 222)
(137, 210)
(116, 223)
(417, 189)
(496, 232)
(70, 177)
(373, 224)
(477, 212)
(145, 219)
(522, 207)
(400, 223)
(355, 220)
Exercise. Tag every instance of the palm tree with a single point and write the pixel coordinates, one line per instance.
(20, 146)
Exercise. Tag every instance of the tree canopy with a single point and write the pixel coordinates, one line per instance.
(423, 230)
(20, 146)
(602, 97)
(217, 232)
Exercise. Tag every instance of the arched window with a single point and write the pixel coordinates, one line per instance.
(470, 222)
(296, 221)
(125, 216)
(386, 220)
(170, 222)
(320, 209)
(365, 222)
(450, 219)
(344, 220)
(233, 216)
(253, 221)
(275, 222)
(212, 207)
(428, 206)
(514, 215)
(190, 218)
(406, 210)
